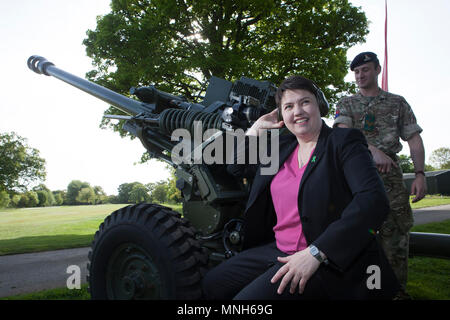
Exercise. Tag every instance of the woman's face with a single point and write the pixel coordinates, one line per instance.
(300, 112)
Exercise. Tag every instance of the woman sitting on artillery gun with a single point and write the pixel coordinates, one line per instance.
(311, 228)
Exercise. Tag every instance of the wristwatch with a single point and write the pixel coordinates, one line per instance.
(316, 254)
(420, 172)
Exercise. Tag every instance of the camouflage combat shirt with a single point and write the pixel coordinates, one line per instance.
(383, 119)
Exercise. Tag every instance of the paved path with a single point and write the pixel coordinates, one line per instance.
(32, 272)
(431, 214)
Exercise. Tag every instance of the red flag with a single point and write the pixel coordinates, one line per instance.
(384, 78)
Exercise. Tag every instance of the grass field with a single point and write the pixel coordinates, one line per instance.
(430, 201)
(51, 228)
(429, 279)
(39, 229)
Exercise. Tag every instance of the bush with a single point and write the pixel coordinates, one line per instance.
(86, 196)
(23, 202)
(159, 193)
(43, 198)
(15, 199)
(33, 199)
(112, 199)
(139, 194)
(59, 200)
(4, 199)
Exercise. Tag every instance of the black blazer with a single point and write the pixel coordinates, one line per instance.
(342, 204)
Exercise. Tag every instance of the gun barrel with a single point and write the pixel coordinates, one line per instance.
(117, 117)
(41, 65)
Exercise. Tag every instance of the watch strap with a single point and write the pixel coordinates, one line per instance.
(315, 252)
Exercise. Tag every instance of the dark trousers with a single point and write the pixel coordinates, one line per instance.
(247, 275)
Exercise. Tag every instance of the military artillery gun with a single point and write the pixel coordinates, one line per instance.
(148, 251)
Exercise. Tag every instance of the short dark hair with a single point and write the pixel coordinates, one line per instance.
(292, 83)
(302, 83)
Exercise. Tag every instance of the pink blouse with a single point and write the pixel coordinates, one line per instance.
(284, 189)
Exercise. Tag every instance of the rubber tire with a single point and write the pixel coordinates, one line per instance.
(166, 238)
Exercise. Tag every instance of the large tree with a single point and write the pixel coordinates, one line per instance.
(441, 158)
(180, 44)
(73, 191)
(86, 196)
(159, 193)
(20, 165)
(125, 190)
(406, 163)
(139, 194)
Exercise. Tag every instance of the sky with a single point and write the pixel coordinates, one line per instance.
(62, 122)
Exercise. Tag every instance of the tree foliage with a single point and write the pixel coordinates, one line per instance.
(100, 195)
(86, 196)
(73, 190)
(139, 193)
(124, 191)
(32, 199)
(441, 158)
(180, 44)
(173, 193)
(406, 163)
(20, 165)
(45, 196)
(4, 199)
(159, 193)
(136, 192)
(59, 197)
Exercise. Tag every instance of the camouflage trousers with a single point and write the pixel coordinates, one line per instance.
(395, 230)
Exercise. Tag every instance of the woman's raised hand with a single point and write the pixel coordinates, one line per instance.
(266, 121)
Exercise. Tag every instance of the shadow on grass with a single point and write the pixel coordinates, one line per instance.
(44, 243)
(433, 227)
(55, 294)
(429, 278)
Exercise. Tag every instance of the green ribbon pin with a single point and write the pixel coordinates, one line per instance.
(313, 159)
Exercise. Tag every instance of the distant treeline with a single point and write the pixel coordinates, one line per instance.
(82, 193)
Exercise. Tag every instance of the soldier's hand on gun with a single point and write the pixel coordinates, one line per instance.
(383, 162)
(266, 121)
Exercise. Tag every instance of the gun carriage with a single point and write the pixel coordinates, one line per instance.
(148, 251)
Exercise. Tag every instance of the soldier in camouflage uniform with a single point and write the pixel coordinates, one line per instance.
(384, 117)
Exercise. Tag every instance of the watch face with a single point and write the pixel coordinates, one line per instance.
(314, 251)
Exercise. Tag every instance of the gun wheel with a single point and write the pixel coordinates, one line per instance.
(145, 251)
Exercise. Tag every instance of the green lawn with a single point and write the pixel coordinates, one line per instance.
(38, 229)
(430, 201)
(55, 294)
(51, 228)
(429, 278)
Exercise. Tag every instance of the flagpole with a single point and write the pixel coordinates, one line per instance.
(384, 78)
